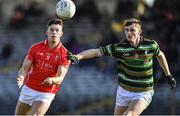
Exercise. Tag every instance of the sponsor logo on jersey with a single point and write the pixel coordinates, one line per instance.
(126, 54)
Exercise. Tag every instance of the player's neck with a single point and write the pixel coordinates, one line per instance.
(135, 42)
(52, 45)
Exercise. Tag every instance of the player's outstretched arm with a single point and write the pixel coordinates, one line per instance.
(91, 53)
(23, 71)
(164, 65)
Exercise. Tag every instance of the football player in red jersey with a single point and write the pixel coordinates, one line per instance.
(43, 69)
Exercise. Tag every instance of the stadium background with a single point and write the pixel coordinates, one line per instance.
(90, 85)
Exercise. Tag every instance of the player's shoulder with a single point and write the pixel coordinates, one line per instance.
(122, 43)
(62, 50)
(38, 44)
(149, 41)
(62, 47)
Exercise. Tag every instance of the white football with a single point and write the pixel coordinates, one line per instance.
(65, 9)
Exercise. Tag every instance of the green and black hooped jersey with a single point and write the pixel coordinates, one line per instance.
(134, 65)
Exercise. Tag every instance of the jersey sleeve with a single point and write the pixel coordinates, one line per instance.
(108, 50)
(31, 53)
(157, 49)
(64, 61)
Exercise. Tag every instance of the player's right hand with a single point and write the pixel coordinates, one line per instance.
(71, 57)
(20, 80)
(48, 81)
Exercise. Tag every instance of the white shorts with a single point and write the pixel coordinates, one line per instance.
(123, 97)
(29, 96)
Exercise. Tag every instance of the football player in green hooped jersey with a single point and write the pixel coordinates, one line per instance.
(134, 56)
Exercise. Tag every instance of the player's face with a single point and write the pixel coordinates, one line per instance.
(132, 32)
(54, 33)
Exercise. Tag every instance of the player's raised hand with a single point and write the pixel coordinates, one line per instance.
(71, 57)
(20, 80)
(48, 81)
(171, 81)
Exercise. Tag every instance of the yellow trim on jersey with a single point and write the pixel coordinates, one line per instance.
(129, 72)
(135, 89)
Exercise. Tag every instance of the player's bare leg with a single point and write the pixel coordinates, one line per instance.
(39, 108)
(119, 110)
(22, 108)
(135, 108)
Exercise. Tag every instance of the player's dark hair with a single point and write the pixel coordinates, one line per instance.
(55, 21)
(131, 21)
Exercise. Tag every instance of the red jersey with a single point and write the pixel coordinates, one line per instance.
(45, 62)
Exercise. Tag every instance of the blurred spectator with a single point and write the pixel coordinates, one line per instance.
(18, 19)
(35, 9)
(6, 53)
(173, 57)
(89, 9)
(125, 9)
(0, 11)
(72, 44)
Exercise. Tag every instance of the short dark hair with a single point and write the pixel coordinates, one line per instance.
(131, 21)
(55, 21)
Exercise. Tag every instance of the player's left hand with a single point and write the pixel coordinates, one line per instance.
(48, 81)
(171, 81)
(71, 57)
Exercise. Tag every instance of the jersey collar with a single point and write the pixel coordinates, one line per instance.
(140, 42)
(57, 47)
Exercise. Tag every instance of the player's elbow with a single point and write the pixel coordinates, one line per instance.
(58, 82)
(97, 52)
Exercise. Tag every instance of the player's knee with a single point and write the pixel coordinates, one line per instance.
(37, 113)
(116, 112)
(130, 113)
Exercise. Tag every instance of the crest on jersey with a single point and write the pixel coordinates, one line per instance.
(41, 54)
(146, 52)
(56, 58)
(136, 55)
(48, 57)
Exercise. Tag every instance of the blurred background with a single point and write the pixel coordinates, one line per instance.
(90, 86)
